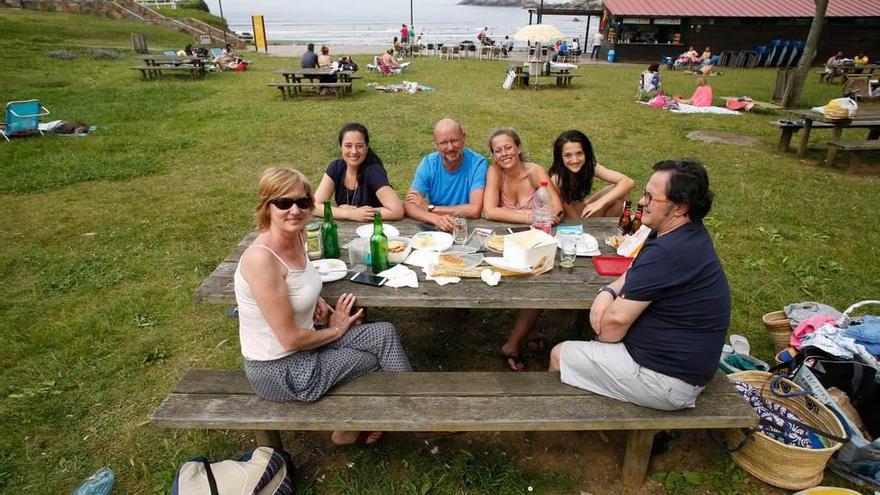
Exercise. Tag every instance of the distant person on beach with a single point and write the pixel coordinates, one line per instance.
(399, 49)
(388, 60)
(702, 96)
(597, 45)
(507, 46)
(576, 47)
(357, 181)
(404, 33)
(309, 58)
(449, 181)
(325, 61)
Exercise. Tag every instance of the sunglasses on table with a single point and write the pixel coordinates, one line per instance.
(303, 203)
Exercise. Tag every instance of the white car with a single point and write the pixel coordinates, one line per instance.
(246, 36)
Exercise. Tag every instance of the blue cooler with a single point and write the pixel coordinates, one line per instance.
(611, 56)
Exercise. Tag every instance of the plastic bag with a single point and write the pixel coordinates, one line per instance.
(99, 483)
(839, 108)
(508, 81)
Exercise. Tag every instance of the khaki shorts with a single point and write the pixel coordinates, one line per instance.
(608, 369)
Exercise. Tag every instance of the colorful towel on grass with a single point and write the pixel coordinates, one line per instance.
(403, 87)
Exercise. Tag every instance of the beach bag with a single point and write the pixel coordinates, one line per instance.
(508, 81)
(839, 108)
(658, 101)
(241, 67)
(262, 471)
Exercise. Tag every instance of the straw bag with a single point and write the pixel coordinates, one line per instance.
(779, 328)
(774, 462)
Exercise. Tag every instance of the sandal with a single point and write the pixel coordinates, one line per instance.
(512, 361)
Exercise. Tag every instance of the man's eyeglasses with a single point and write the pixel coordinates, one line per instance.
(303, 203)
(454, 142)
(650, 197)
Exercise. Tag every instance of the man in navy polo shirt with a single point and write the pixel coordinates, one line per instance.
(661, 325)
(449, 181)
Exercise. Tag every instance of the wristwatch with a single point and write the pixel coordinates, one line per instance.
(431, 207)
(608, 290)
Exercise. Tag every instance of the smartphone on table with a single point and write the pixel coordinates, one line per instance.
(368, 279)
(514, 230)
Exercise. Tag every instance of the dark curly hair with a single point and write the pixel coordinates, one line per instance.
(688, 184)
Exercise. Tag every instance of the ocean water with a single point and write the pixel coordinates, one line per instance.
(377, 22)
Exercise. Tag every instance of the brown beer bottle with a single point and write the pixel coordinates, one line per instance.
(637, 222)
(624, 226)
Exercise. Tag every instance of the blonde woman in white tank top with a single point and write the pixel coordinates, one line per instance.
(278, 294)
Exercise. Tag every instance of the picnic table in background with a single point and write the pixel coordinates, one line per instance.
(560, 288)
(297, 80)
(866, 118)
(562, 75)
(155, 65)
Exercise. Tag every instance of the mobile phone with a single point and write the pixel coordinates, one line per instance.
(368, 279)
(514, 230)
(477, 238)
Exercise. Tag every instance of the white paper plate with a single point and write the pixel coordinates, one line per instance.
(504, 264)
(366, 230)
(330, 269)
(431, 241)
(587, 245)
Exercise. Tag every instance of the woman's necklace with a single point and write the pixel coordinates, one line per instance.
(349, 194)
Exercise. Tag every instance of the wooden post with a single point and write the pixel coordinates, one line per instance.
(785, 139)
(832, 155)
(269, 438)
(635, 461)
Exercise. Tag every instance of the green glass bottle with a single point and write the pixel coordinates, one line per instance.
(378, 245)
(329, 233)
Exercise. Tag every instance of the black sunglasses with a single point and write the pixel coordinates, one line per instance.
(303, 203)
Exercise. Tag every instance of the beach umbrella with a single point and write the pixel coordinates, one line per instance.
(541, 33)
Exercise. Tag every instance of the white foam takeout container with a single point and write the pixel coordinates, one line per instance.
(527, 248)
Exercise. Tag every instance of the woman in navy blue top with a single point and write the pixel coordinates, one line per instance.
(357, 180)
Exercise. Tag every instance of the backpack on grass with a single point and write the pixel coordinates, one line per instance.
(262, 471)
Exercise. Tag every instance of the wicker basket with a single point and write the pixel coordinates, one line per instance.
(779, 328)
(773, 462)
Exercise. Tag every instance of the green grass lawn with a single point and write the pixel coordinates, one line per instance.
(106, 237)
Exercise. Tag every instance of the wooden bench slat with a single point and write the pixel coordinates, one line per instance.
(871, 144)
(480, 383)
(445, 414)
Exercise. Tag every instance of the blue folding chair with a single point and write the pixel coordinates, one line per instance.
(23, 117)
(216, 52)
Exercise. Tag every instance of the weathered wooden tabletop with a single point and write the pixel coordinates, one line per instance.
(560, 288)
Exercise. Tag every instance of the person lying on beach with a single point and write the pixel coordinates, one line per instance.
(357, 181)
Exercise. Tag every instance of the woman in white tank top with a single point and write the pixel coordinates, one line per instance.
(279, 304)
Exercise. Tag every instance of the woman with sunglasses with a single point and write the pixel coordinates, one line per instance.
(295, 345)
(357, 181)
(511, 184)
(572, 173)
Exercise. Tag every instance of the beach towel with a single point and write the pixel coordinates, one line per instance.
(404, 87)
(684, 108)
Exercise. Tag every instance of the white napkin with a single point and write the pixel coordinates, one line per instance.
(400, 276)
(491, 277)
(440, 279)
(422, 258)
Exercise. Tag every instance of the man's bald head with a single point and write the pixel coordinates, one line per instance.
(449, 140)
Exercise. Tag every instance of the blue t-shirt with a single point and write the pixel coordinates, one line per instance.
(374, 179)
(443, 188)
(681, 332)
(309, 60)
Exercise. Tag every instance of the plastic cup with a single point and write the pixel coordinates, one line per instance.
(459, 229)
(568, 243)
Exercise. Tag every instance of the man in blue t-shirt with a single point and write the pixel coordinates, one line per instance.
(309, 58)
(661, 325)
(449, 181)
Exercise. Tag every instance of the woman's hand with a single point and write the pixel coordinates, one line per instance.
(342, 317)
(362, 213)
(591, 209)
(322, 311)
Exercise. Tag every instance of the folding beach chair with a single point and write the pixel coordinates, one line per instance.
(646, 86)
(23, 117)
(216, 52)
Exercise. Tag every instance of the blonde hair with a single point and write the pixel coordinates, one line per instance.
(324, 50)
(701, 81)
(274, 183)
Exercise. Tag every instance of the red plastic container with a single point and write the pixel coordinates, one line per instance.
(611, 265)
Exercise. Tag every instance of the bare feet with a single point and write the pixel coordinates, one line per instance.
(342, 437)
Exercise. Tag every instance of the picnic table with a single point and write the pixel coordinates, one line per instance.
(560, 288)
(155, 65)
(297, 80)
(562, 75)
(866, 118)
(843, 71)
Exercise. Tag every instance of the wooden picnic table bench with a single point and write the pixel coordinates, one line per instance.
(291, 88)
(560, 288)
(835, 146)
(156, 66)
(446, 401)
(866, 118)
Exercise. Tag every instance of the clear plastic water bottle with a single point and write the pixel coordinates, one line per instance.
(542, 211)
